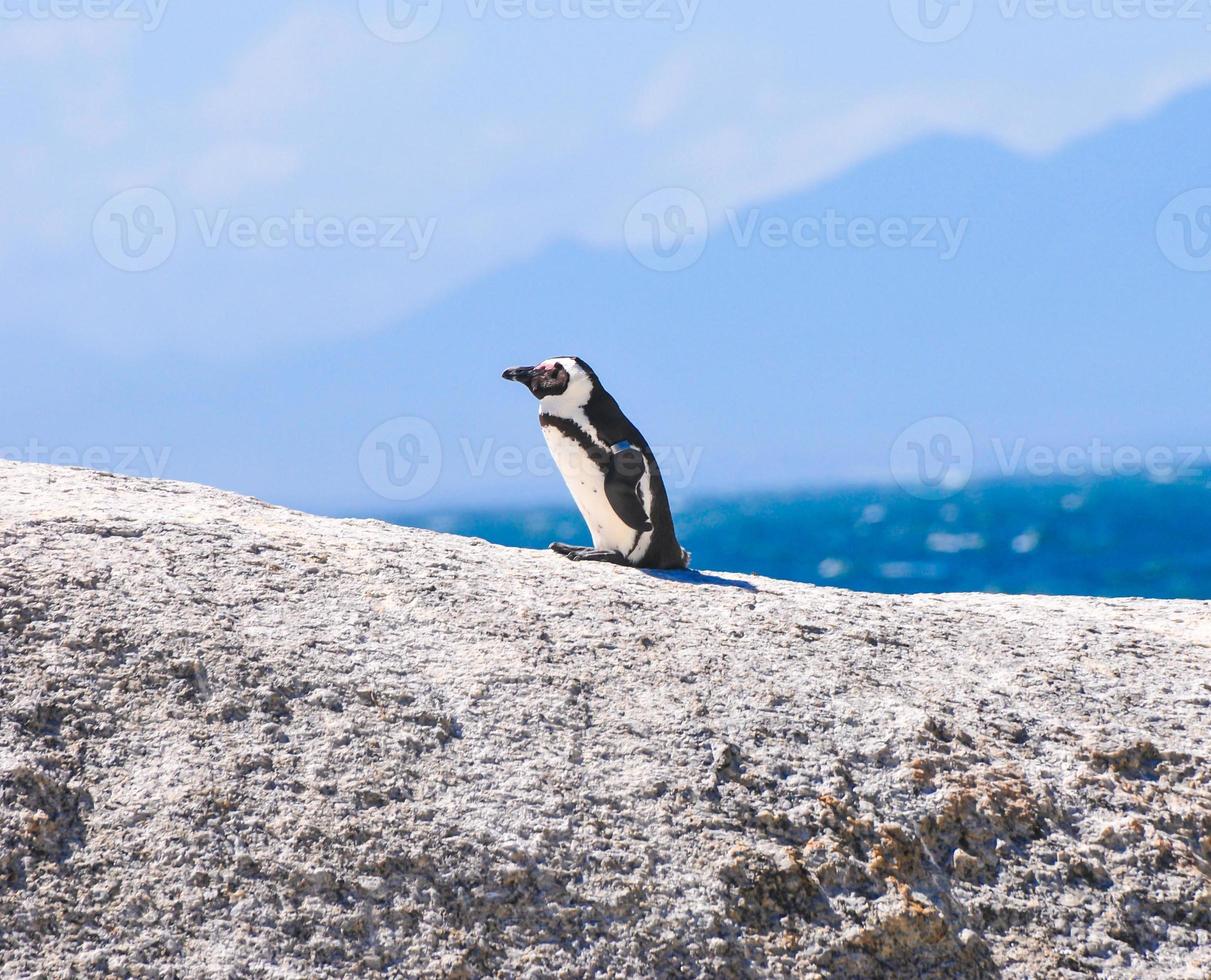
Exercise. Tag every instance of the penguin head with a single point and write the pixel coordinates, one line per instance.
(563, 378)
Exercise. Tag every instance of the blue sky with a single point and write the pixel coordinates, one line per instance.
(513, 134)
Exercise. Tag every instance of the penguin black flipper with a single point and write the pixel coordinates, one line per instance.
(623, 473)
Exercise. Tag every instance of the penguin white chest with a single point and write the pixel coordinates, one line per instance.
(586, 482)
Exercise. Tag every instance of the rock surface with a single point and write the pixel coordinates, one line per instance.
(237, 740)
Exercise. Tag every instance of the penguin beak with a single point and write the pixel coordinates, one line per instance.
(522, 374)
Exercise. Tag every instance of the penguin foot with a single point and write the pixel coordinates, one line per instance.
(608, 557)
(576, 553)
(567, 550)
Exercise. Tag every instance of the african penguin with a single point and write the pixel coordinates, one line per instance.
(607, 466)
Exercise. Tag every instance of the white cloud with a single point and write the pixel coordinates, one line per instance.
(280, 75)
(1168, 82)
(512, 135)
(765, 146)
(664, 94)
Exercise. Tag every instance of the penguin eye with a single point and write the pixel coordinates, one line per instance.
(553, 379)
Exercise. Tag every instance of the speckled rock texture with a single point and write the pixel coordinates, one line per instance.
(240, 741)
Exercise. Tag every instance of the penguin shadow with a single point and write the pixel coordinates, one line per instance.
(690, 577)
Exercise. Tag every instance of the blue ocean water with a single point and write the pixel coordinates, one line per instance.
(1109, 538)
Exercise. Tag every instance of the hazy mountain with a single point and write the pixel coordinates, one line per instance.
(1058, 321)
